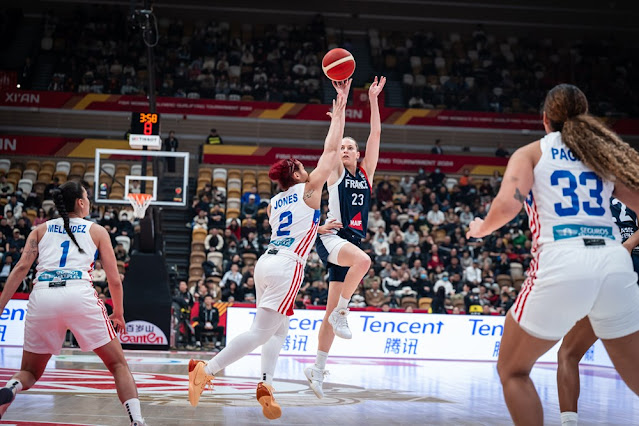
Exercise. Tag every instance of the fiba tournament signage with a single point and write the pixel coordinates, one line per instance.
(12, 323)
(143, 333)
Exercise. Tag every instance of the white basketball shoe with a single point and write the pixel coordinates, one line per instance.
(315, 378)
(338, 320)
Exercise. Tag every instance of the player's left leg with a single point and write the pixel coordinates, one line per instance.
(573, 347)
(518, 353)
(113, 357)
(265, 324)
(624, 352)
(315, 373)
(31, 370)
(270, 354)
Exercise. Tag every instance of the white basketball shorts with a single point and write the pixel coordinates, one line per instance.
(569, 281)
(52, 311)
(278, 278)
(331, 245)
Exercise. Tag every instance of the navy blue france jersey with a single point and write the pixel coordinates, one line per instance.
(626, 220)
(349, 201)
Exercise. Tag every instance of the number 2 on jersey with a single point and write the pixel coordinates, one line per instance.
(623, 214)
(286, 219)
(65, 252)
(569, 191)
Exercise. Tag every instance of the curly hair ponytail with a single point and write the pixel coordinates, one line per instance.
(64, 199)
(599, 148)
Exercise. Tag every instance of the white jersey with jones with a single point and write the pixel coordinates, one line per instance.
(59, 258)
(293, 223)
(568, 200)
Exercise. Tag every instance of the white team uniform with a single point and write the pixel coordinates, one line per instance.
(63, 296)
(280, 271)
(579, 266)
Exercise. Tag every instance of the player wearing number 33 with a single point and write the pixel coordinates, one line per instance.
(63, 298)
(580, 267)
(294, 217)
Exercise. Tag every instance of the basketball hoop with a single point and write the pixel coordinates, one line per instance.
(140, 203)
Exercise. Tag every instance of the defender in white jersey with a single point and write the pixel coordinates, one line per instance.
(294, 217)
(63, 298)
(580, 267)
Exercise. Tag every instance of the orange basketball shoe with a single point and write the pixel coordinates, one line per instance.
(198, 380)
(270, 407)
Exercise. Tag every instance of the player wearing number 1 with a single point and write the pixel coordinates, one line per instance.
(63, 298)
(579, 266)
(294, 217)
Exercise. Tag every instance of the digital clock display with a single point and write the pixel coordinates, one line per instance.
(145, 123)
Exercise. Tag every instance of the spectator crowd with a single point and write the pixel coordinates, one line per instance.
(416, 240)
(99, 50)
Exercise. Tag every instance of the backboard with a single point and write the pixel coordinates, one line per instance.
(119, 172)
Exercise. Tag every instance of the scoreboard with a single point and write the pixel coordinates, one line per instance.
(145, 131)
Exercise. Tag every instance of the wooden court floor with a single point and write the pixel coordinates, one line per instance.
(76, 389)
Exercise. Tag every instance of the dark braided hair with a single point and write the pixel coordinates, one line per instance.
(588, 138)
(64, 198)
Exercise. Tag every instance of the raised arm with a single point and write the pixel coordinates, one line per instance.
(369, 163)
(110, 266)
(20, 271)
(330, 156)
(342, 88)
(516, 185)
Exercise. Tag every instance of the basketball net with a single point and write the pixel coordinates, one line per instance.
(140, 203)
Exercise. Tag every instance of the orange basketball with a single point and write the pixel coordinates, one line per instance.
(338, 64)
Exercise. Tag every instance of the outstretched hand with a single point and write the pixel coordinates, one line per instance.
(343, 87)
(474, 229)
(376, 87)
(329, 226)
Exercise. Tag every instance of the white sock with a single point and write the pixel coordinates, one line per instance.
(569, 418)
(132, 407)
(211, 368)
(15, 385)
(267, 379)
(343, 303)
(320, 361)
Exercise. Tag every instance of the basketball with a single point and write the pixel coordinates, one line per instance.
(338, 64)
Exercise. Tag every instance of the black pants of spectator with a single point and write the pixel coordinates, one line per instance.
(218, 330)
(170, 164)
(185, 331)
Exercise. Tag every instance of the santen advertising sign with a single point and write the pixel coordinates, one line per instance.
(143, 333)
(12, 323)
(402, 335)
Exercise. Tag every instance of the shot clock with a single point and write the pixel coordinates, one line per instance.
(145, 131)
